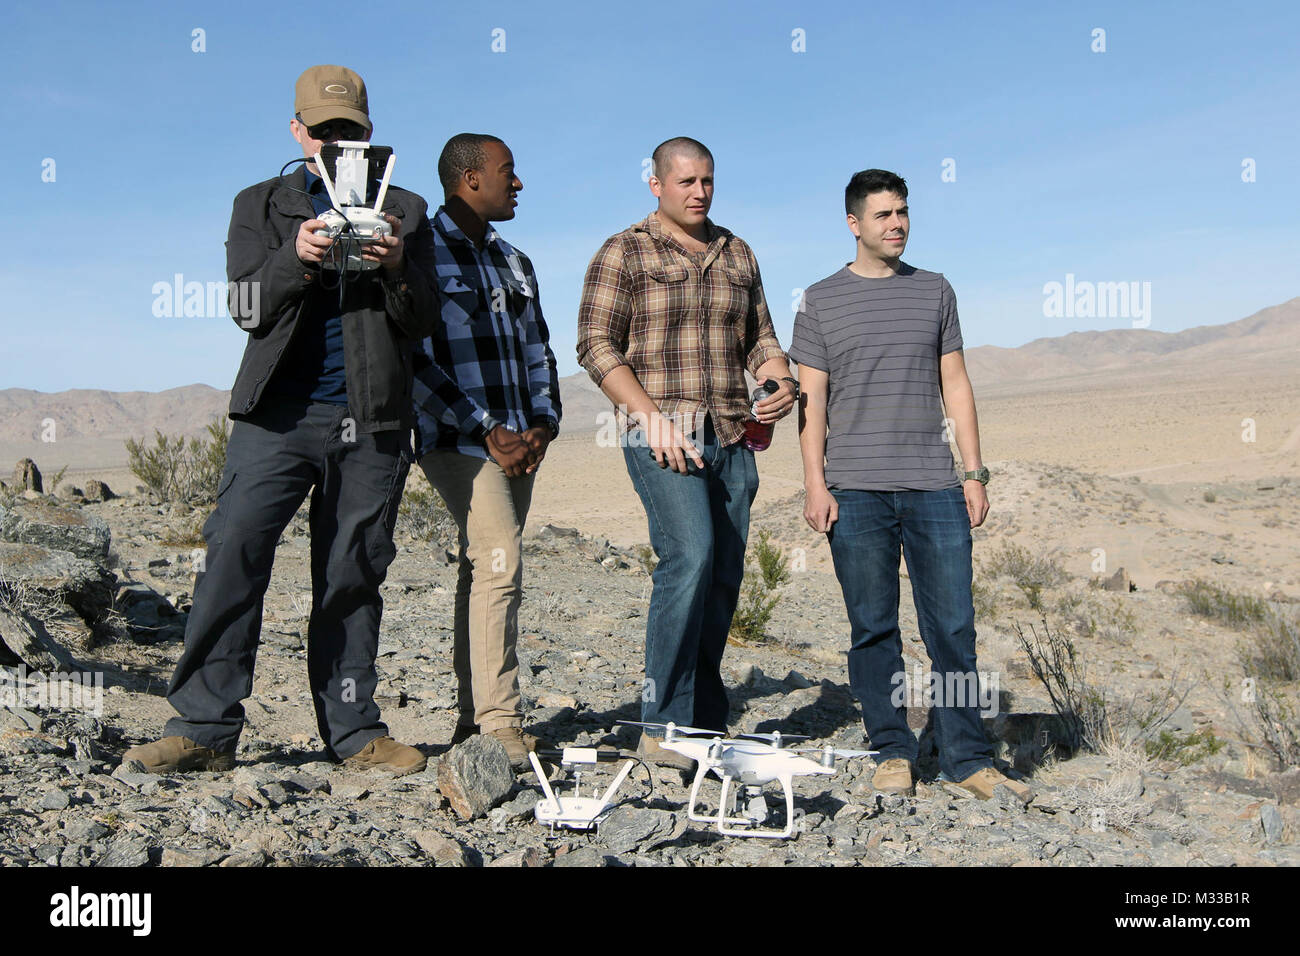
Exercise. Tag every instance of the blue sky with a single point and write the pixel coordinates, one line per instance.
(1115, 166)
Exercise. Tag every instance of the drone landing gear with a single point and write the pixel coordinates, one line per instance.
(756, 811)
(575, 812)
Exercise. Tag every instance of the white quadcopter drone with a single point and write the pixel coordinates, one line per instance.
(577, 812)
(752, 760)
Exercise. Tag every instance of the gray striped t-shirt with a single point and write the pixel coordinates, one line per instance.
(880, 341)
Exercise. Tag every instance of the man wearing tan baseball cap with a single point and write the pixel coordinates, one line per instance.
(331, 92)
(321, 405)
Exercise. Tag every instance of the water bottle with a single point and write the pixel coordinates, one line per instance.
(758, 435)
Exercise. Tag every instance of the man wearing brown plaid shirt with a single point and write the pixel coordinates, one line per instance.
(672, 315)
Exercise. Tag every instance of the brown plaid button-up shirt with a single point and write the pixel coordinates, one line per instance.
(688, 327)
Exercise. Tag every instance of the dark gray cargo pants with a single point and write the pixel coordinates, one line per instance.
(273, 459)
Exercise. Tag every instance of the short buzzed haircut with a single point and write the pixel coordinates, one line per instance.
(670, 149)
(463, 151)
(870, 181)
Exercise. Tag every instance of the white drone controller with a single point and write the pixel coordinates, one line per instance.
(351, 221)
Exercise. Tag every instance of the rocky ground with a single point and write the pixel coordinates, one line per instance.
(65, 799)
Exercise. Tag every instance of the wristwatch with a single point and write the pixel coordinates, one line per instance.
(981, 475)
(795, 383)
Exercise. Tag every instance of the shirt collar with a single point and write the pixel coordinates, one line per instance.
(444, 224)
(653, 227)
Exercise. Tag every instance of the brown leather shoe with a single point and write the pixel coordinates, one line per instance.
(894, 776)
(651, 752)
(518, 745)
(982, 782)
(173, 754)
(385, 753)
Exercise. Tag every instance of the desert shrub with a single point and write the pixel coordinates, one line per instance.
(1032, 573)
(760, 592)
(1270, 662)
(1096, 614)
(1220, 604)
(1186, 749)
(1210, 497)
(176, 469)
(1273, 653)
(1092, 717)
(645, 556)
(771, 562)
(986, 598)
(423, 515)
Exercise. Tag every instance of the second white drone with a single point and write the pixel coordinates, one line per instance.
(752, 761)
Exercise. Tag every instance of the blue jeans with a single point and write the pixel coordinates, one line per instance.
(699, 523)
(933, 531)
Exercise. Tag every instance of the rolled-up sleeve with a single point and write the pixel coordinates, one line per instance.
(604, 313)
(760, 336)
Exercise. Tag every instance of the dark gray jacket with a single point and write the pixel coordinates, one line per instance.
(384, 319)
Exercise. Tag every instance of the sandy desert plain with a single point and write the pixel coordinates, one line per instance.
(1173, 456)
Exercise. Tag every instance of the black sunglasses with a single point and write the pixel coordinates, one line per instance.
(335, 129)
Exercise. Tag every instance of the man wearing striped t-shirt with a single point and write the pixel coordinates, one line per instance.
(879, 350)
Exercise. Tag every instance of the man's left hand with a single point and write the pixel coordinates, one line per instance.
(777, 405)
(388, 251)
(977, 501)
(538, 438)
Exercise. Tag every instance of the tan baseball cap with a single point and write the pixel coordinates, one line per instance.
(331, 92)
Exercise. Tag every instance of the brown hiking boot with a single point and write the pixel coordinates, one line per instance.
(172, 754)
(894, 776)
(651, 752)
(385, 753)
(982, 783)
(518, 745)
(462, 733)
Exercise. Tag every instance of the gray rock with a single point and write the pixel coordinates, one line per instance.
(85, 586)
(1271, 820)
(586, 856)
(443, 849)
(56, 527)
(475, 776)
(626, 828)
(1119, 581)
(244, 858)
(308, 783)
(84, 831)
(529, 856)
(18, 718)
(15, 742)
(27, 477)
(126, 851)
(97, 490)
(27, 640)
(177, 856)
(55, 800)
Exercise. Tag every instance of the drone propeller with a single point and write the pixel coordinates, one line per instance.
(775, 739)
(837, 751)
(676, 729)
(830, 754)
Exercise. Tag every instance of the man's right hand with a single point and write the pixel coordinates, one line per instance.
(820, 509)
(670, 446)
(310, 247)
(509, 450)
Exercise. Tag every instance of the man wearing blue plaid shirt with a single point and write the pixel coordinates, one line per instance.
(488, 404)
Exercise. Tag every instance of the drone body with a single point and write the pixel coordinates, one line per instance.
(753, 761)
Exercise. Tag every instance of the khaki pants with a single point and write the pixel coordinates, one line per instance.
(489, 509)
